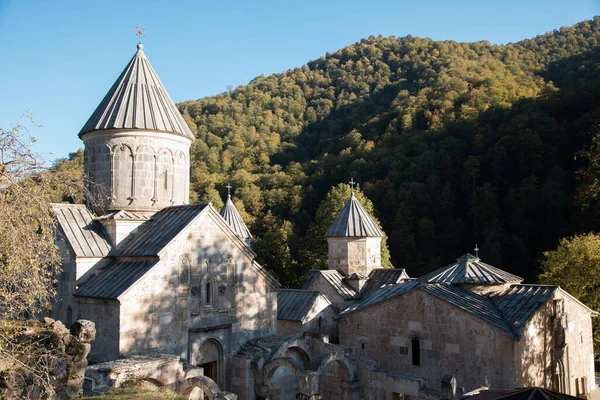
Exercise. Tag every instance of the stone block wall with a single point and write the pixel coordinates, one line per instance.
(170, 307)
(449, 340)
(322, 286)
(354, 255)
(556, 348)
(579, 349)
(137, 170)
(105, 314)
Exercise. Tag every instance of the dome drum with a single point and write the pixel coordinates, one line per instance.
(136, 171)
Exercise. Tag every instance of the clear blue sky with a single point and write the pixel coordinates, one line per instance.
(60, 57)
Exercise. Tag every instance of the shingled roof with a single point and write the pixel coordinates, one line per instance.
(233, 218)
(83, 234)
(383, 276)
(354, 221)
(470, 269)
(295, 304)
(333, 278)
(138, 100)
(520, 302)
(153, 235)
(113, 279)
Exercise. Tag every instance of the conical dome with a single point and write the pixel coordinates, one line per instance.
(470, 269)
(138, 100)
(235, 221)
(137, 145)
(354, 221)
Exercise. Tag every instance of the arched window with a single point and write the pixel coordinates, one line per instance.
(209, 293)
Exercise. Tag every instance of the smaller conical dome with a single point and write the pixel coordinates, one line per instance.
(355, 221)
(231, 215)
(470, 269)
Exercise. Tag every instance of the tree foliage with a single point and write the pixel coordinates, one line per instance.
(575, 266)
(29, 260)
(454, 143)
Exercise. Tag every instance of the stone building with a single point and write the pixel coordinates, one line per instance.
(305, 311)
(165, 280)
(469, 319)
(153, 272)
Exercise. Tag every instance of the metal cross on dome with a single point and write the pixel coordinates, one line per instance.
(476, 250)
(228, 189)
(352, 183)
(140, 32)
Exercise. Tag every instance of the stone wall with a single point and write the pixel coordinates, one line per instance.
(449, 340)
(556, 348)
(137, 170)
(319, 319)
(205, 288)
(285, 328)
(354, 255)
(579, 345)
(105, 313)
(322, 286)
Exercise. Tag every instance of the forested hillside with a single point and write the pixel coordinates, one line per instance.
(454, 143)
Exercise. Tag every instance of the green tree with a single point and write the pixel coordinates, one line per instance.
(273, 251)
(575, 266)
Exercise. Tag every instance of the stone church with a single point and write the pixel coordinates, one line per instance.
(166, 281)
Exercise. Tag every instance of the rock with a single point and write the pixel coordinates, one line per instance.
(59, 328)
(84, 330)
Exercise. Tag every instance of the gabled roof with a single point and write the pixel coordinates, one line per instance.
(333, 278)
(477, 305)
(153, 235)
(83, 234)
(520, 302)
(295, 304)
(113, 279)
(138, 100)
(382, 294)
(233, 218)
(354, 221)
(470, 269)
(383, 276)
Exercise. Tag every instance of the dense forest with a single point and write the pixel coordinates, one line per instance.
(455, 144)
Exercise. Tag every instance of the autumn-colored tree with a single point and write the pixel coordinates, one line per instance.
(29, 260)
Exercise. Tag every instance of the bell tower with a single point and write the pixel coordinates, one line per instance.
(137, 145)
(354, 241)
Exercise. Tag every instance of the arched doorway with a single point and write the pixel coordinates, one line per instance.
(559, 377)
(281, 377)
(334, 374)
(210, 358)
(284, 384)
